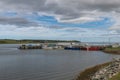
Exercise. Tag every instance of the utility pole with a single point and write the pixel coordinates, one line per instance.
(109, 41)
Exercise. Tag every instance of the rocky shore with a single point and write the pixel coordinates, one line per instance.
(88, 73)
(108, 71)
(101, 72)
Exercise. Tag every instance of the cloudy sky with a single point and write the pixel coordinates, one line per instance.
(85, 20)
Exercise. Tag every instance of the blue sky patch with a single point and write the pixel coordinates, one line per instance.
(104, 23)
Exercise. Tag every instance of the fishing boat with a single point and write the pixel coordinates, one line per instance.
(29, 46)
(72, 48)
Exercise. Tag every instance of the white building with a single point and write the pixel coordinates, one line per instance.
(116, 45)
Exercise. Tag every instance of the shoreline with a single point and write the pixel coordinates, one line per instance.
(87, 73)
(112, 52)
(105, 71)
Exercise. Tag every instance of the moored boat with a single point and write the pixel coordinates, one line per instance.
(92, 48)
(30, 47)
(72, 48)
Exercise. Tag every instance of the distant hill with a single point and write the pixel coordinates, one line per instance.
(12, 41)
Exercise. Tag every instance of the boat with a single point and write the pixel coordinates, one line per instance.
(72, 48)
(92, 48)
(30, 47)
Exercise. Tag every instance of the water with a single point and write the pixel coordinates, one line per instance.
(18, 64)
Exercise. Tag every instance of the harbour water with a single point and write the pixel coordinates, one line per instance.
(38, 64)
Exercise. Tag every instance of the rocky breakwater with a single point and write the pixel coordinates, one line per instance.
(108, 72)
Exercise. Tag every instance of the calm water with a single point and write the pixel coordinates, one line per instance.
(46, 64)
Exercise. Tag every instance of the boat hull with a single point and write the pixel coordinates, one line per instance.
(71, 48)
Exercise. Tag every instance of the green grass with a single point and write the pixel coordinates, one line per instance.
(12, 41)
(116, 77)
(112, 49)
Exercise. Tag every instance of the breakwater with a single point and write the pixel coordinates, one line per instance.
(108, 71)
(101, 72)
(88, 73)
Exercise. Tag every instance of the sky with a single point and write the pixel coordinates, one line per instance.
(83, 20)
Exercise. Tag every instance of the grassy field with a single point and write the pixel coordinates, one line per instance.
(112, 49)
(12, 41)
(116, 77)
(85, 75)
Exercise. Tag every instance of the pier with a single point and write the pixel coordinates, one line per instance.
(62, 45)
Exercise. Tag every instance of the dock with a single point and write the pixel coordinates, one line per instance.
(66, 46)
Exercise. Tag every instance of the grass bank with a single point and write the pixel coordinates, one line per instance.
(112, 50)
(86, 74)
(116, 77)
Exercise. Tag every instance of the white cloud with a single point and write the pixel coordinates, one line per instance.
(45, 32)
(64, 11)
